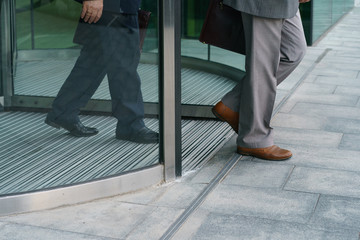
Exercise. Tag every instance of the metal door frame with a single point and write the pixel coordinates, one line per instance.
(8, 49)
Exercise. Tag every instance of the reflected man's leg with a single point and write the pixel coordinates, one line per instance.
(125, 83)
(78, 88)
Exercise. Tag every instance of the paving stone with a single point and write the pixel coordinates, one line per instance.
(345, 90)
(323, 157)
(350, 142)
(12, 231)
(310, 78)
(335, 72)
(324, 181)
(144, 196)
(280, 96)
(343, 47)
(288, 105)
(330, 99)
(155, 225)
(343, 39)
(179, 195)
(298, 121)
(342, 125)
(209, 171)
(306, 137)
(318, 88)
(206, 173)
(348, 54)
(216, 226)
(352, 43)
(258, 174)
(333, 63)
(341, 56)
(295, 76)
(313, 109)
(109, 218)
(337, 212)
(261, 202)
(354, 82)
(192, 225)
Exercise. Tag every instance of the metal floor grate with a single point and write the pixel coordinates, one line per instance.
(35, 156)
(44, 78)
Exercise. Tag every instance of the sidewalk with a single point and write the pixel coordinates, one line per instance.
(314, 195)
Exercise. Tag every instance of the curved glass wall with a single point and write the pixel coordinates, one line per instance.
(207, 74)
(217, 69)
(53, 51)
(318, 16)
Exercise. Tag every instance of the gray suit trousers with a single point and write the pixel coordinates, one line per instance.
(274, 48)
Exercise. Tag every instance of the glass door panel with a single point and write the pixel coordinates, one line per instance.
(101, 70)
(207, 69)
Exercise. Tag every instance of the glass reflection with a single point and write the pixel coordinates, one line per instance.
(321, 17)
(209, 57)
(81, 65)
(338, 9)
(110, 46)
(327, 13)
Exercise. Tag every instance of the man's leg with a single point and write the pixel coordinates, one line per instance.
(125, 83)
(258, 90)
(78, 88)
(293, 48)
(84, 79)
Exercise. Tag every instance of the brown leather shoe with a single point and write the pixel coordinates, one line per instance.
(273, 153)
(224, 113)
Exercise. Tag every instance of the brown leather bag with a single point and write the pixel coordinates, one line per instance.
(223, 27)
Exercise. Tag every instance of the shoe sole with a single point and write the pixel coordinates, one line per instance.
(247, 154)
(135, 141)
(88, 135)
(57, 126)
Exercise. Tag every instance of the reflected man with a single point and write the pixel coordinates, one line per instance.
(109, 34)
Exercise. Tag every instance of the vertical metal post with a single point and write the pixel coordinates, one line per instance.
(171, 88)
(177, 55)
(209, 53)
(311, 38)
(32, 24)
(6, 51)
(1, 77)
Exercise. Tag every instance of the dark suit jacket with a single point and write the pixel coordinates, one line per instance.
(120, 6)
(86, 33)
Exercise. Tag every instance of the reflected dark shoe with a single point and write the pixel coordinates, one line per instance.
(143, 135)
(272, 153)
(76, 129)
(225, 114)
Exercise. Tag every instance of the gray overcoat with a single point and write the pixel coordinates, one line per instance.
(266, 8)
